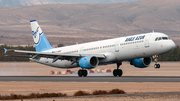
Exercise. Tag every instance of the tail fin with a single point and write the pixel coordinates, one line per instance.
(40, 41)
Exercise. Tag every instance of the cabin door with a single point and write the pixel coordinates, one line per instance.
(147, 38)
(117, 46)
(81, 50)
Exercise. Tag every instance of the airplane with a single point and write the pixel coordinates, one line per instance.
(139, 50)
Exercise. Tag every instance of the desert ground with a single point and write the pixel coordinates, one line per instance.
(135, 91)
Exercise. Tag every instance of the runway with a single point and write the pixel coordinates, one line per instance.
(91, 79)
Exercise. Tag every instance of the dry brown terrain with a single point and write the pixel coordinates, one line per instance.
(71, 87)
(68, 24)
(147, 91)
(167, 69)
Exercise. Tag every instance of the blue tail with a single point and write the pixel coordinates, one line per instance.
(40, 41)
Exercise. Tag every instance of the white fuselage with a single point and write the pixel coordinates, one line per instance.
(115, 50)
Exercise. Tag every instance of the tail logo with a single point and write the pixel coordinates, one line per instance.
(37, 36)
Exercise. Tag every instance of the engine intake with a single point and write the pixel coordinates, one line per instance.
(89, 62)
(142, 62)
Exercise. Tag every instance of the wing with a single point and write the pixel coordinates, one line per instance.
(54, 56)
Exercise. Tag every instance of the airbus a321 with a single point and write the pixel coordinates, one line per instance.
(139, 50)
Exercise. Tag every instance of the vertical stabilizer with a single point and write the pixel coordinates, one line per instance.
(40, 41)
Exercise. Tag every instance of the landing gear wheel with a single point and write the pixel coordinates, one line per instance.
(117, 72)
(120, 72)
(157, 66)
(82, 73)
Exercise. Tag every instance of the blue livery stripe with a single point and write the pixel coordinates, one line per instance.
(43, 44)
(32, 20)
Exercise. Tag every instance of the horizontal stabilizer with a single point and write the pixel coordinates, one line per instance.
(5, 50)
(8, 50)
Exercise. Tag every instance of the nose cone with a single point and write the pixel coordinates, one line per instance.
(173, 45)
(170, 45)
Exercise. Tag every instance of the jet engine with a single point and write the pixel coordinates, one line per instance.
(142, 62)
(88, 62)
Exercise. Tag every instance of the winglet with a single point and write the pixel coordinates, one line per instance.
(5, 50)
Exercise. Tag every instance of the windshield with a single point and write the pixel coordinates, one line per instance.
(162, 38)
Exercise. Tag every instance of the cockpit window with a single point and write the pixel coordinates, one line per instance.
(162, 38)
(156, 39)
(165, 38)
(159, 38)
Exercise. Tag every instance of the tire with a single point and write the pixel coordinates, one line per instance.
(155, 66)
(84, 73)
(115, 72)
(120, 72)
(80, 73)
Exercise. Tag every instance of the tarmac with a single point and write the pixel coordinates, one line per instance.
(90, 79)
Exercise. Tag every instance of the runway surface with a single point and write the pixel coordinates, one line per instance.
(91, 78)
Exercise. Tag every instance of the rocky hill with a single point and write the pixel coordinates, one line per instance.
(39, 2)
(71, 23)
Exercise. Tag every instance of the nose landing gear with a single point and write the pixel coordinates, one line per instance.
(118, 72)
(156, 65)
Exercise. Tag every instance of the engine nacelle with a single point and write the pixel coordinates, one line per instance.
(89, 62)
(142, 62)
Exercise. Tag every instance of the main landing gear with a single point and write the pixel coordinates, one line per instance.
(82, 72)
(156, 65)
(118, 72)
